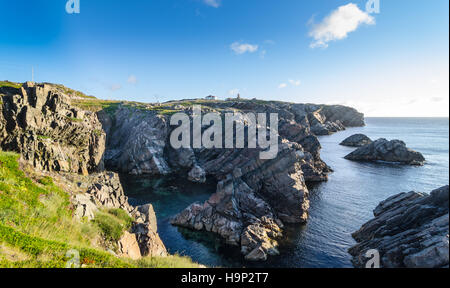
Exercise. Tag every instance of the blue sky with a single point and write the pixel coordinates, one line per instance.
(391, 63)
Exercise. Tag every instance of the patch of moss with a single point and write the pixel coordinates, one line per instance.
(72, 119)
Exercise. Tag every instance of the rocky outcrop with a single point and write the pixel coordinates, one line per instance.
(357, 140)
(254, 197)
(68, 143)
(39, 122)
(389, 151)
(136, 141)
(409, 230)
(129, 246)
(105, 191)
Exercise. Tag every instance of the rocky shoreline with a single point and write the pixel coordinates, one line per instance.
(410, 230)
(254, 198)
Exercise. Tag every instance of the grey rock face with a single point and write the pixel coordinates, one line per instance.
(250, 204)
(357, 140)
(409, 230)
(389, 151)
(197, 174)
(105, 191)
(136, 142)
(253, 197)
(39, 122)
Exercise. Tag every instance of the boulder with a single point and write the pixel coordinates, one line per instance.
(129, 247)
(357, 140)
(149, 215)
(390, 151)
(197, 174)
(148, 239)
(409, 230)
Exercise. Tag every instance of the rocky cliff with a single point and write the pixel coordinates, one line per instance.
(409, 230)
(254, 197)
(39, 122)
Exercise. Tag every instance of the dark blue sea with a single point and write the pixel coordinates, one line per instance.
(338, 207)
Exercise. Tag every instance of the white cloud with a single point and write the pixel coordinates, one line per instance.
(290, 81)
(212, 3)
(241, 48)
(115, 87)
(295, 82)
(132, 79)
(338, 24)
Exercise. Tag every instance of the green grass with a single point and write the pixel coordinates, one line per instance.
(10, 84)
(43, 137)
(96, 105)
(36, 223)
(72, 119)
(113, 223)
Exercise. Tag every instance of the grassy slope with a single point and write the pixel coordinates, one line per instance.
(37, 228)
(10, 84)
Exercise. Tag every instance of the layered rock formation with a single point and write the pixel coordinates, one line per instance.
(136, 141)
(105, 191)
(409, 230)
(357, 140)
(39, 122)
(253, 197)
(389, 151)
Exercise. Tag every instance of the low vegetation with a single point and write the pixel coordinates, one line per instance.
(37, 228)
(10, 84)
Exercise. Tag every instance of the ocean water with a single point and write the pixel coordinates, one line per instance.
(338, 207)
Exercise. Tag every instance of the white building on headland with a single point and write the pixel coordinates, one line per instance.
(211, 97)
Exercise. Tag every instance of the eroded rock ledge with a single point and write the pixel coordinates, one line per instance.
(409, 230)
